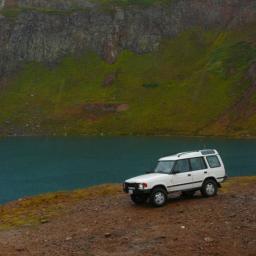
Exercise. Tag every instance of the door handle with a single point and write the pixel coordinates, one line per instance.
(205, 172)
(189, 174)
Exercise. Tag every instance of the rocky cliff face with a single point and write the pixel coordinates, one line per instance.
(44, 31)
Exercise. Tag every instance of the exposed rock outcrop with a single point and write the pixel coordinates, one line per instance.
(45, 31)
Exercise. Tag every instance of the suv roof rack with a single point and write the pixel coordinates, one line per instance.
(184, 153)
(208, 151)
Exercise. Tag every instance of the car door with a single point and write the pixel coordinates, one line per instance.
(181, 178)
(199, 171)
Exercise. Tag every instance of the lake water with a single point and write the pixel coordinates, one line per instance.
(30, 165)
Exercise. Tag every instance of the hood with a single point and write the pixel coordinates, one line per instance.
(146, 177)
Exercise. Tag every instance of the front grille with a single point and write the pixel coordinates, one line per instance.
(130, 185)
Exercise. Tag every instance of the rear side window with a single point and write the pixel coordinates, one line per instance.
(197, 164)
(181, 166)
(213, 161)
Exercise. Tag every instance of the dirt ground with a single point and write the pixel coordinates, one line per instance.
(113, 225)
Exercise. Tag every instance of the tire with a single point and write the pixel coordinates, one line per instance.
(188, 194)
(209, 188)
(139, 199)
(158, 197)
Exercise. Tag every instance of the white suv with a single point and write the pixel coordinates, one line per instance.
(186, 172)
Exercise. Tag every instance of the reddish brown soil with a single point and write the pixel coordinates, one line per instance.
(11, 3)
(112, 225)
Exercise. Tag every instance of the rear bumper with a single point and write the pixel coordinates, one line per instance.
(225, 178)
(221, 180)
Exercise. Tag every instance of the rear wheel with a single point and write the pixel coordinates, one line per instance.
(158, 197)
(188, 194)
(139, 199)
(209, 188)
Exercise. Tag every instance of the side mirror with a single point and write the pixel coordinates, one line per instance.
(174, 172)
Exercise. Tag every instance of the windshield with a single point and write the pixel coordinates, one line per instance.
(164, 167)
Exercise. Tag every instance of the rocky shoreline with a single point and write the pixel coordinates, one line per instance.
(103, 221)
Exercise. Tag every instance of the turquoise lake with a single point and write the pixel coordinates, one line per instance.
(30, 165)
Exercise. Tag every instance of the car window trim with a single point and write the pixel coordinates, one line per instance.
(190, 166)
(217, 159)
(180, 160)
(205, 165)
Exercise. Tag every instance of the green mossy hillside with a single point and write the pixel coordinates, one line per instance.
(180, 89)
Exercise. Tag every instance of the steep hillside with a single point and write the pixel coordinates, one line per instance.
(128, 67)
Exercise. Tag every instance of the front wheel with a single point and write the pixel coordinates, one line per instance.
(158, 197)
(139, 199)
(209, 188)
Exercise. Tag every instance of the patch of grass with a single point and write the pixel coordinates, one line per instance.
(231, 58)
(150, 85)
(40, 209)
(11, 12)
(237, 181)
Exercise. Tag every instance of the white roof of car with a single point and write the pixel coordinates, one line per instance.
(190, 154)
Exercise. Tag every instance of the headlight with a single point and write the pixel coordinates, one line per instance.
(143, 185)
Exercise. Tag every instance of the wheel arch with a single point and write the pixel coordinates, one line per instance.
(211, 178)
(160, 186)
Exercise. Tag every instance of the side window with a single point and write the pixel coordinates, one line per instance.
(213, 161)
(197, 164)
(181, 166)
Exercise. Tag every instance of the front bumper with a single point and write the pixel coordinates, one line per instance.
(133, 188)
